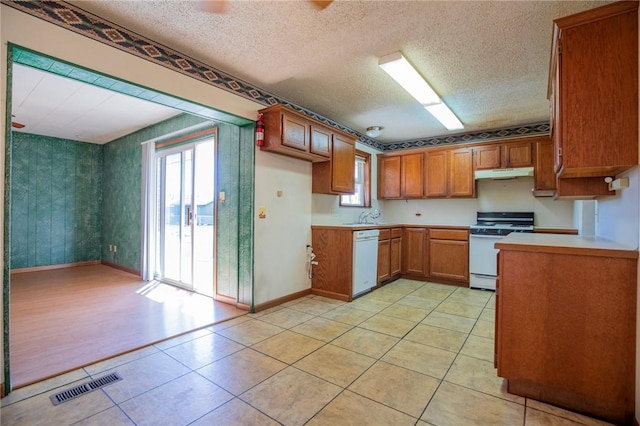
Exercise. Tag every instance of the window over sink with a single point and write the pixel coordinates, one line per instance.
(362, 196)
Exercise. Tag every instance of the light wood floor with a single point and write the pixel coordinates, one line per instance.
(68, 318)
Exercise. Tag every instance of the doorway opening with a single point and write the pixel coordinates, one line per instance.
(120, 227)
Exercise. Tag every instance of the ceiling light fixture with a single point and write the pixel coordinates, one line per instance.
(374, 131)
(406, 75)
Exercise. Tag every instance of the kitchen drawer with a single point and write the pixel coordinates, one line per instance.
(396, 233)
(449, 234)
(384, 234)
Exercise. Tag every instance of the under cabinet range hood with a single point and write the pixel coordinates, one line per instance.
(503, 173)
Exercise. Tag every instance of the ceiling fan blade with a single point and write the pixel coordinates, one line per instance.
(15, 124)
(213, 6)
(321, 4)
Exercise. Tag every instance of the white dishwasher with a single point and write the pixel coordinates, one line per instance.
(365, 261)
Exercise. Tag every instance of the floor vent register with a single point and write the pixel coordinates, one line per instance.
(84, 389)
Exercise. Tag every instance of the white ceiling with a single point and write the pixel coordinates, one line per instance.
(488, 60)
(50, 105)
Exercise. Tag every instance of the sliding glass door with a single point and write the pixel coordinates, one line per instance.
(186, 216)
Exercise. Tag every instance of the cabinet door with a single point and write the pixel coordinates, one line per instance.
(544, 177)
(395, 257)
(320, 140)
(518, 155)
(412, 175)
(435, 174)
(343, 161)
(295, 132)
(389, 177)
(488, 157)
(461, 181)
(414, 246)
(383, 260)
(599, 108)
(449, 259)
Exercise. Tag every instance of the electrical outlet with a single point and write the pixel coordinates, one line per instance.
(115, 248)
(110, 247)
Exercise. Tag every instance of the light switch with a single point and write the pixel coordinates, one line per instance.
(262, 213)
(279, 193)
(222, 196)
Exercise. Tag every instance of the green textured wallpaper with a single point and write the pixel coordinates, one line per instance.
(71, 200)
(56, 195)
(122, 193)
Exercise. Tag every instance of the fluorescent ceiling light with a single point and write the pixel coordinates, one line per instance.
(403, 72)
(445, 116)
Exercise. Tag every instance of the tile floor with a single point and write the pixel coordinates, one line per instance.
(409, 353)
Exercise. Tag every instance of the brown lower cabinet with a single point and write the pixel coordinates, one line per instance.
(414, 252)
(438, 254)
(403, 251)
(565, 321)
(389, 254)
(449, 254)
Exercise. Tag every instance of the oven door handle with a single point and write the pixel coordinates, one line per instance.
(495, 237)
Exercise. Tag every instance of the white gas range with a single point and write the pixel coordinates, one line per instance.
(489, 229)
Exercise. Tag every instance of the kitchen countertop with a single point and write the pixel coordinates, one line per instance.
(360, 226)
(565, 244)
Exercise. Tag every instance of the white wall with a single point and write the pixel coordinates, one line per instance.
(327, 211)
(617, 216)
(281, 238)
(492, 195)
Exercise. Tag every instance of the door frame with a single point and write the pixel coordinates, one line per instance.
(177, 145)
(237, 132)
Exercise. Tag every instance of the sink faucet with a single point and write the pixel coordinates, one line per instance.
(363, 217)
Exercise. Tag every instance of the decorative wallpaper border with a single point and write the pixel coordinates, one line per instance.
(79, 21)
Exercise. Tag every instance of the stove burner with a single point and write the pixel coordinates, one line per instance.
(502, 223)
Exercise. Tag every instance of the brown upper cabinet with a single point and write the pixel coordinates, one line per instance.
(429, 173)
(291, 133)
(336, 176)
(544, 178)
(461, 181)
(400, 176)
(436, 173)
(593, 91)
(320, 140)
(411, 172)
(449, 173)
(503, 156)
(389, 177)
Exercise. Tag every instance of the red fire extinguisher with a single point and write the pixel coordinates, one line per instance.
(260, 131)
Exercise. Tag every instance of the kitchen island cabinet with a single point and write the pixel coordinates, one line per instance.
(565, 320)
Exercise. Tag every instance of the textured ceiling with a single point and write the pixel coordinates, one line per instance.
(47, 104)
(487, 60)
